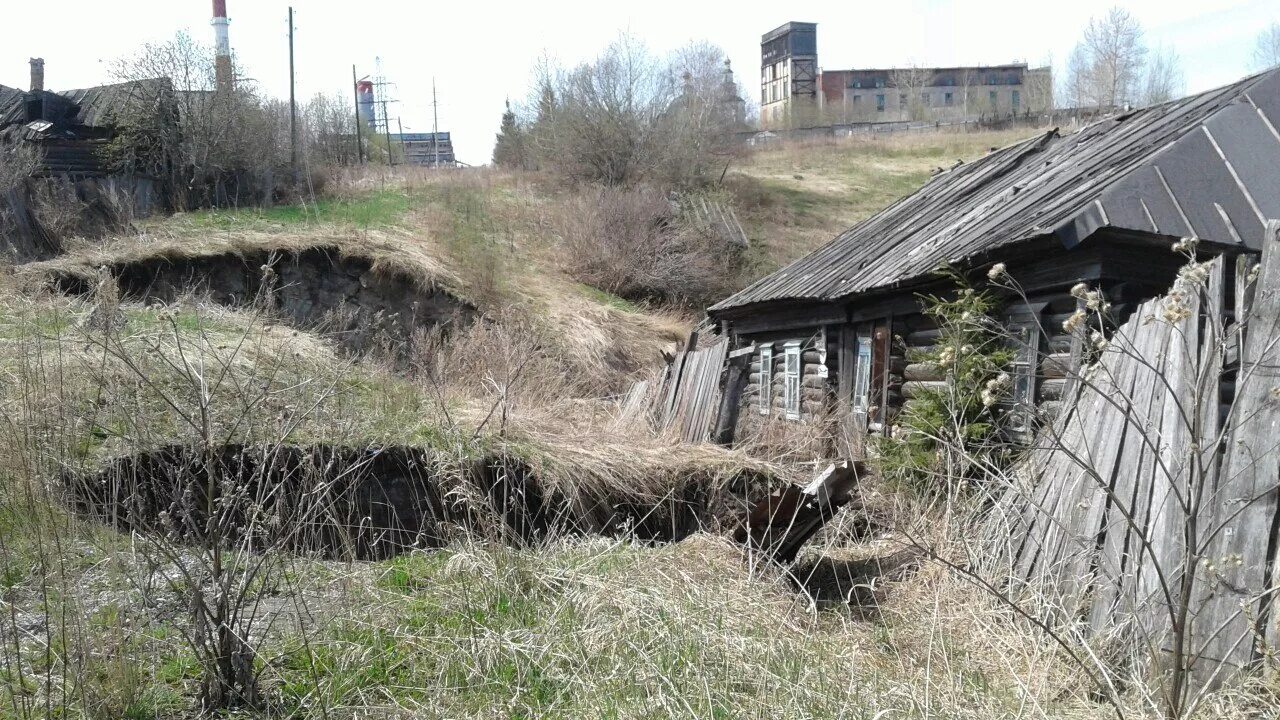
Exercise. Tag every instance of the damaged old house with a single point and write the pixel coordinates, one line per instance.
(1101, 206)
(67, 133)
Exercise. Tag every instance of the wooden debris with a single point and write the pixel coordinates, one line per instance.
(782, 523)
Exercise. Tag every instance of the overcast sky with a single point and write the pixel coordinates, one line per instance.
(480, 52)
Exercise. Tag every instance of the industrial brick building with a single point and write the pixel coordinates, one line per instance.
(796, 92)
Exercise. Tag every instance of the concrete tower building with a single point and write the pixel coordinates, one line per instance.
(788, 74)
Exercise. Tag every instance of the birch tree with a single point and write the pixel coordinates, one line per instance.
(1266, 52)
(1106, 66)
(1165, 80)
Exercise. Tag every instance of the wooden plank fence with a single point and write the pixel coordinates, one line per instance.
(1147, 513)
(689, 399)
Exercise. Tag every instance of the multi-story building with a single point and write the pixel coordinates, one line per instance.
(788, 72)
(907, 94)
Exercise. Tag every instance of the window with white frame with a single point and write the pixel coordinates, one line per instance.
(862, 374)
(1024, 377)
(765, 399)
(791, 371)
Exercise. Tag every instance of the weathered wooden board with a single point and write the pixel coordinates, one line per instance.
(691, 391)
(1238, 571)
(1138, 493)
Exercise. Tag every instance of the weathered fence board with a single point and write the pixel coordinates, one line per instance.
(691, 391)
(1139, 511)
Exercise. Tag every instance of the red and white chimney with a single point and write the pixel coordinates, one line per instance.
(222, 46)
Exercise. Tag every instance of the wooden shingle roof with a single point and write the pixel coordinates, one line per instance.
(1207, 166)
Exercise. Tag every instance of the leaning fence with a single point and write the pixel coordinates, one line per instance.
(1148, 510)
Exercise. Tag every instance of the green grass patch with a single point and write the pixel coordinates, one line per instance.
(607, 298)
(380, 208)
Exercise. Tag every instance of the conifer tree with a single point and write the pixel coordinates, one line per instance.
(509, 150)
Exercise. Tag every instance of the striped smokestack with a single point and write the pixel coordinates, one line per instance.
(222, 46)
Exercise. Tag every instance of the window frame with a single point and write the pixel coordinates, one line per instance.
(792, 375)
(764, 403)
(861, 390)
(1024, 370)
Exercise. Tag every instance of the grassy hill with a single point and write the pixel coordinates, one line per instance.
(796, 196)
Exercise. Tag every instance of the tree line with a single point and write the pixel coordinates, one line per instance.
(1112, 66)
(627, 116)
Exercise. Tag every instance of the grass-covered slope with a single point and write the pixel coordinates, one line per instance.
(795, 196)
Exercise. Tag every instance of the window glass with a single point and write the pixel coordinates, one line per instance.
(1017, 99)
(791, 380)
(766, 379)
(1024, 378)
(862, 374)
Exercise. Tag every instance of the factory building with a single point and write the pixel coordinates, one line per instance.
(426, 149)
(796, 92)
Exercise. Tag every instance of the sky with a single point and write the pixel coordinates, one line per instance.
(480, 52)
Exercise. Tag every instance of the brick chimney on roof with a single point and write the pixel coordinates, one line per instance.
(37, 74)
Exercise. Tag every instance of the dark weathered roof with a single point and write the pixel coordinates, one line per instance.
(1207, 166)
(89, 107)
(99, 105)
(11, 108)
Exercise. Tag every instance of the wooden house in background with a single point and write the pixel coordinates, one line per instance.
(71, 131)
(1102, 206)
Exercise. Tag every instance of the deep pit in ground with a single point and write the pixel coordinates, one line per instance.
(374, 503)
(319, 288)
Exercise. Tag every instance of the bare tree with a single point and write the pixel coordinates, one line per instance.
(212, 147)
(1165, 80)
(1105, 70)
(912, 81)
(328, 135)
(1072, 90)
(629, 115)
(1266, 52)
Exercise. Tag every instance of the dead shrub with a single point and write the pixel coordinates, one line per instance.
(631, 243)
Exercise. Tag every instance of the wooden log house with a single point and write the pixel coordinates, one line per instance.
(1102, 205)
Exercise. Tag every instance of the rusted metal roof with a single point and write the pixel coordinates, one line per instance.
(1207, 166)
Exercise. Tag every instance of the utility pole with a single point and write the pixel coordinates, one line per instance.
(355, 90)
(386, 129)
(293, 107)
(404, 150)
(435, 127)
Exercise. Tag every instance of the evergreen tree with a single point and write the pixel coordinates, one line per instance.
(509, 150)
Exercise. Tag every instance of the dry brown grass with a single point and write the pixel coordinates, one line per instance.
(481, 236)
(795, 196)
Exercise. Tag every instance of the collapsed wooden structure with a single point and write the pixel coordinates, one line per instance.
(1148, 511)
